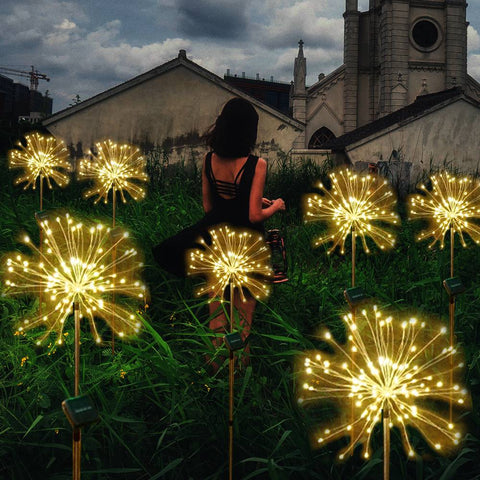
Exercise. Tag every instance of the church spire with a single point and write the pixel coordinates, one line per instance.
(300, 71)
(299, 94)
(300, 49)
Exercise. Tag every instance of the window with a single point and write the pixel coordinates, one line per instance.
(320, 137)
(425, 35)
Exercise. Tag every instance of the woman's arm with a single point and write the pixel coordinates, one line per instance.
(206, 193)
(256, 213)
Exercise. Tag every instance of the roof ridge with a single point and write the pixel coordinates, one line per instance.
(420, 105)
(180, 60)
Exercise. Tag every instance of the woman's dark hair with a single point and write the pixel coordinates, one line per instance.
(235, 131)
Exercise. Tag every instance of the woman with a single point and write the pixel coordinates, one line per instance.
(232, 192)
(232, 189)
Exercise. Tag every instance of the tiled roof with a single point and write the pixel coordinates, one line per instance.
(418, 107)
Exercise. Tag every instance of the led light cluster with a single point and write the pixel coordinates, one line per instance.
(44, 157)
(450, 204)
(405, 367)
(239, 258)
(359, 202)
(115, 167)
(76, 265)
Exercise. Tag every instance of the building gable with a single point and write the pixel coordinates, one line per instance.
(171, 106)
(447, 135)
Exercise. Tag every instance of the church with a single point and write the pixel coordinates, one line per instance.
(402, 95)
(403, 92)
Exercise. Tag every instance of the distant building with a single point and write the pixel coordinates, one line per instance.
(6, 99)
(19, 103)
(274, 94)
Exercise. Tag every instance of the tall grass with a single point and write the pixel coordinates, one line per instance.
(163, 413)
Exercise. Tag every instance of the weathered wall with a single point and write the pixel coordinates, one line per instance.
(172, 110)
(446, 137)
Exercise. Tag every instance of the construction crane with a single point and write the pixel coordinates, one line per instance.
(33, 75)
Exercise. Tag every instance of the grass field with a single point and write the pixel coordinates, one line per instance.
(163, 414)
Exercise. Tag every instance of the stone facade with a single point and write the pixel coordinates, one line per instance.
(393, 52)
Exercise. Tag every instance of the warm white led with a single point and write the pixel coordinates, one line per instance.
(387, 373)
(78, 267)
(451, 203)
(43, 157)
(354, 201)
(235, 257)
(116, 167)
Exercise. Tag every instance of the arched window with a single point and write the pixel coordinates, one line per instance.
(320, 138)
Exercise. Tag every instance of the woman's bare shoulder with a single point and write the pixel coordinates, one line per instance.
(262, 163)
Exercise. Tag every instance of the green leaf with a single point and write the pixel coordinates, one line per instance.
(32, 426)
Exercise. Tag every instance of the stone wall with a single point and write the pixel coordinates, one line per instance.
(448, 137)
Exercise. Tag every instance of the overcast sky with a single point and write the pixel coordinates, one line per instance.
(87, 46)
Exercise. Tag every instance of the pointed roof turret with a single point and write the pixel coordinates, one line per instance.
(300, 70)
(300, 49)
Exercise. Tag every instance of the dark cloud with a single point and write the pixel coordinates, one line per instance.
(218, 19)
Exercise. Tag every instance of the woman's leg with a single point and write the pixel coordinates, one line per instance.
(218, 322)
(245, 311)
(218, 325)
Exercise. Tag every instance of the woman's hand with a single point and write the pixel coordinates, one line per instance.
(266, 202)
(278, 204)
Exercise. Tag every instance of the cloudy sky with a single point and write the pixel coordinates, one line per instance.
(87, 46)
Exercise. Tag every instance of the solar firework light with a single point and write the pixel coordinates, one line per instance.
(358, 205)
(235, 259)
(355, 203)
(75, 265)
(117, 168)
(401, 370)
(42, 158)
(76, 268)
(451, 205)
(448, 207)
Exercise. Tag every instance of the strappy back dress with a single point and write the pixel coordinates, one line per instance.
(231, 205)
(231, 200)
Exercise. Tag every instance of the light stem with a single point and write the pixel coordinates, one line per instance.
(114, 202)
(77, 433)
(451, 311)
(231, 370)
(353, 255)
(452, 242)
(352, 354)
(41, 192)
(114, 198)
(386, 443)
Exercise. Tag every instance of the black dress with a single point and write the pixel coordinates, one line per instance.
(234, 210)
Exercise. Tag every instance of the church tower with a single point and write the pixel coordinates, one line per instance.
(351, 46)
(398, 50)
